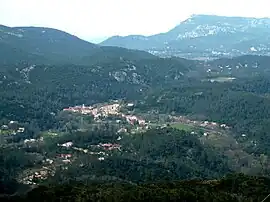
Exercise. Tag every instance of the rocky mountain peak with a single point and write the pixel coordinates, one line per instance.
(205, 36)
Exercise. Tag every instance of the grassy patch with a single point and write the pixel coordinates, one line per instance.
(6, 132)
(50, 135)
(182, 126)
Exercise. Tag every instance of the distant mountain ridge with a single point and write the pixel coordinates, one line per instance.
(45, 44)
(39, 45)
(204, 36)
(36, 60)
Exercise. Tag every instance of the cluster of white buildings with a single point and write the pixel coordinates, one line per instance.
(67, 144)
(81, 109)
(105, 111)
(111, 109)
(110, 146)
(13, 127)
(213, 125)
(41, 175)
(131, 119)
(26, 141)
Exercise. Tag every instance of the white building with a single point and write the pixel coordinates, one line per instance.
(141, 122)
(130, 104)
(29, 140)
(20, 130)
(67, 144)
(101, 158)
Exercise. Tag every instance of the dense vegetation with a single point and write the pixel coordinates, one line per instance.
(156, 155)
(36, 85)
(159, 154)
(231, 188)
(244, 105)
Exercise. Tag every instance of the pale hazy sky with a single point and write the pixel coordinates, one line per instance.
(91, 19)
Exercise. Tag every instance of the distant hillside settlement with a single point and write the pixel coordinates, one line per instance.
(105, 111)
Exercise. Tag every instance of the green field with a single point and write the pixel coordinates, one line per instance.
(182, 126)
(6, 132)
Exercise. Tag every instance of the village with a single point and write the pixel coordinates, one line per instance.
(140, 123)
(102, 150)
(107, 110)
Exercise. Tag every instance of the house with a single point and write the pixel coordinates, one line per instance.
(4, 127)
(67, 144)
(97, 116)
(204, 124)
(109, 146)
(49, 161)
(163, 126)
(86, 111)
(122, 130)
(106, 145)
(110, 109)
(81, 109)
(65, 156)
(68, 109)
(43, 172)
(20, 130)
(29, 140)
(223, 125)
(131, 119)
(101, 158)
(66, 161)
(141, 122)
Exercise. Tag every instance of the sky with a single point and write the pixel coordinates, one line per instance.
(94, 20)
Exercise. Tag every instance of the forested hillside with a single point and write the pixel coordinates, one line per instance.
(231, 188)
(74, 111)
